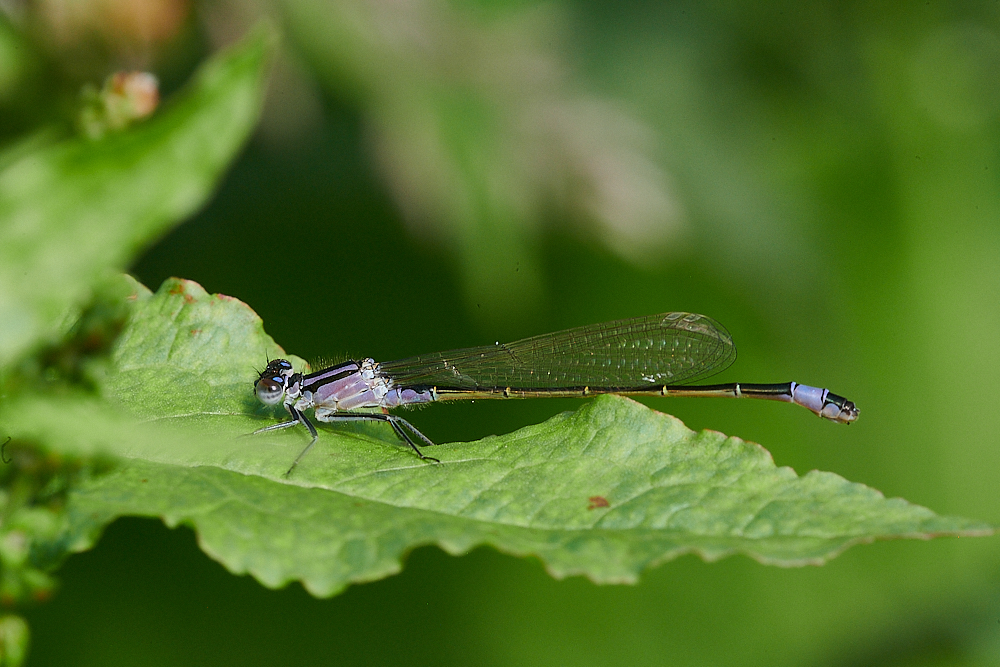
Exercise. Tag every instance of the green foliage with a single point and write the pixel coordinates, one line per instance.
(72, 214)
(605, 491)
(75, 209)
(161, 383)
(13, 640)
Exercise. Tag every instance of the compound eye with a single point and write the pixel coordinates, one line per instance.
(270, 389)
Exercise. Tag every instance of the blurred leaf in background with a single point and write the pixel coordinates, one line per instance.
(485, 136)
(79, 208)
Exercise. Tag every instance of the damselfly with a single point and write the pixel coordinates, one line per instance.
(657, 355)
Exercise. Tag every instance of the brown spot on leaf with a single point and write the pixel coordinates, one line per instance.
(598, 501)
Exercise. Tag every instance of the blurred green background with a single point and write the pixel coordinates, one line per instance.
(822, 177)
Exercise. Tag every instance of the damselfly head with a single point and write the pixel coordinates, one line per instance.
(273, 381)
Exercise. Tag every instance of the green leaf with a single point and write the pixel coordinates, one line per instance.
(604, 492)
(73, 210)
(13, 640)
(16, 61)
